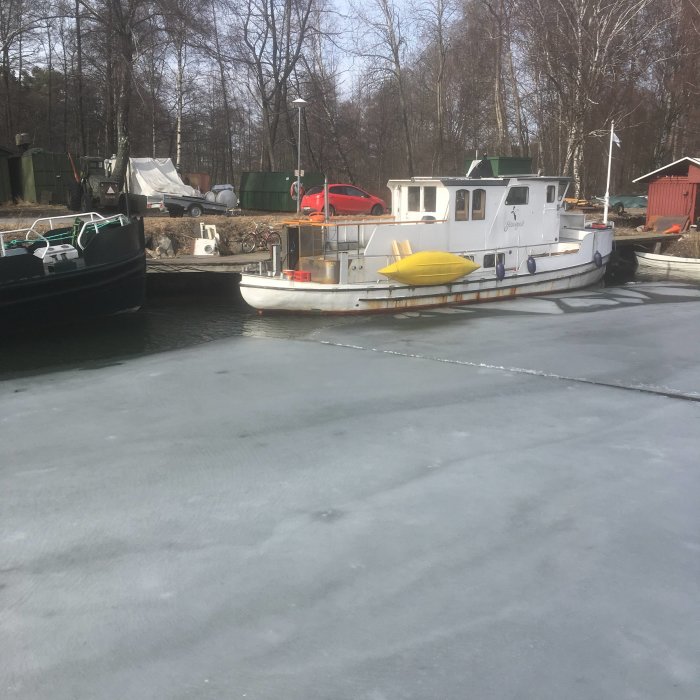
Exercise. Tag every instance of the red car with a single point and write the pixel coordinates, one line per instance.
(342, 199)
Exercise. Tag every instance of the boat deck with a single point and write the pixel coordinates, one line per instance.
(651, 242)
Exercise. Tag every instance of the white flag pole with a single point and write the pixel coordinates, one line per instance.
(607, 186)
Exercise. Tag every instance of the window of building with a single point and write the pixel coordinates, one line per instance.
(518, 195)
(414, 199)
(478, 205)
(490, 259)
(429, 198)
(462, 205)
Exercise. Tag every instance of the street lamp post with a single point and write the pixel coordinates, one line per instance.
(300, 103)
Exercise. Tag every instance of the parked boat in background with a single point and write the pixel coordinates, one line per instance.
(71, 267)
(669, 266)
(512, 232)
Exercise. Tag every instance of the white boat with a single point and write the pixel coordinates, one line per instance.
(512, 232)
(669, 266)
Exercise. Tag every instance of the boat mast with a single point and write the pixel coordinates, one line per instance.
(607, 186)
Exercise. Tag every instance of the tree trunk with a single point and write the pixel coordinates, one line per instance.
(79, 80)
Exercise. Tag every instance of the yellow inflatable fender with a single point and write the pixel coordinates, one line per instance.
(429, 267)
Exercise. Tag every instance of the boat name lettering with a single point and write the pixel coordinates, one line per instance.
(513, 224)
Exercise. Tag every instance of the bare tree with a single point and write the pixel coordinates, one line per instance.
(582, 47)
(383, 44)
(18, 19)
(435, 18)
(268, 37)
(121, 20)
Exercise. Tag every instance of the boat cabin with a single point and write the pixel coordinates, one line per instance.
(483, 213)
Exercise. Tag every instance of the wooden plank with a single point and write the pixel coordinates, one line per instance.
(204, 263)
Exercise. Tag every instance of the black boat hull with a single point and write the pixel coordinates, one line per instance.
(110, 280)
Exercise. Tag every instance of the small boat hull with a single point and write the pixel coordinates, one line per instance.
(669, 266)
(281, 295)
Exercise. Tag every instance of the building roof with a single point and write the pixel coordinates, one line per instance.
(678, 167)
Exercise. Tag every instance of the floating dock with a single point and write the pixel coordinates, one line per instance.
(204, 263)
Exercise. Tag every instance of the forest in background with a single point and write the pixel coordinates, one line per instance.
(394, 89)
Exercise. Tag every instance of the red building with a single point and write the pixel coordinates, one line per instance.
(674, 191)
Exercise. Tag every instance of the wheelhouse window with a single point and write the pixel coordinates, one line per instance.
(429, 198)
(414, 199)
(518, 195)
(478, 205)
(490, 259)
(551, 194)
(462, 205)
(563, 187)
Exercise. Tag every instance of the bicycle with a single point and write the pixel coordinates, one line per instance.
(262, 237)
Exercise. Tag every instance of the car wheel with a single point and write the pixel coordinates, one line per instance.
(331, 210)
(195, 211)
(377, 210)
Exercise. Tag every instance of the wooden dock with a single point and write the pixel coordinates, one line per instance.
(204, 263)
(644, 241)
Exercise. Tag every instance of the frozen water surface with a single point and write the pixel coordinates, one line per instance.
(463, 505)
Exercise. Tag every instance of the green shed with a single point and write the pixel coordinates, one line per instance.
(5, 187)
(43, 176)
(271, 191)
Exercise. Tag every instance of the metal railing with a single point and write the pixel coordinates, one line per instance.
(94, 222)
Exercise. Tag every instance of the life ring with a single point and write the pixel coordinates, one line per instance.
(293, 190)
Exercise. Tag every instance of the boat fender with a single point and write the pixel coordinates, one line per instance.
(531, 265)
(500, 271)
(598, 259)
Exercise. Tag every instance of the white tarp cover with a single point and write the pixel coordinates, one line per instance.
(153, 176)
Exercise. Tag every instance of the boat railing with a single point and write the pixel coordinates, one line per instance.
(89, 221)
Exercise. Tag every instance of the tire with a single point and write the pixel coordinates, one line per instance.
(331, 210)
(249, 243)
(195, 211)
(377, 210)
(273, 239)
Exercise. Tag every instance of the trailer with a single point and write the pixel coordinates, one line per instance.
(159, 181)
(192, 206)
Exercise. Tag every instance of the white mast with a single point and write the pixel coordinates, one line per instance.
(607, 186)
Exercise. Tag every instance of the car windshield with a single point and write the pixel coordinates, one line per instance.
(314, 190)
